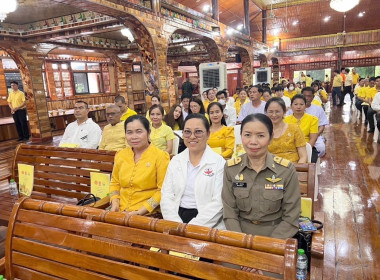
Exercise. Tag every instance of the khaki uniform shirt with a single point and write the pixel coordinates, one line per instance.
(267, 203)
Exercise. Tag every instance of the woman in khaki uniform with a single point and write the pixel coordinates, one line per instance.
(261, 194)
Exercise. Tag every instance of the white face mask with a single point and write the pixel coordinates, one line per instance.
(291, 88)
(222, 102)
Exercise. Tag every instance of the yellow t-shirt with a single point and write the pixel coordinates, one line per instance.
(223, 138)
(370, 93)
(148, 117)
(16, 98)
(127, 114)
(290, 94)
(176, 127)
(316, 102)
(355, 78)
(238, 105)
(338, 81)
(286, 145)
(362, 93)
(138, 184)
(308, 124)
(160, 136)
(208, 102)
(113, 138)
(357, 88)
(323, 93)
(308, 81)
(298, 90)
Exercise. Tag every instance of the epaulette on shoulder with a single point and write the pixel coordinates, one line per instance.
(281, 161)
(233, 161)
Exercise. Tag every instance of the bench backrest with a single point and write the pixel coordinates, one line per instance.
(62, 173)
(306, 177)
(48, 239)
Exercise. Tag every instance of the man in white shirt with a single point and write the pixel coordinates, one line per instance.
(375, 105)
(228, 111)
(279, 91)
(84, 132)
(185, 102)
(348, 86)
(253, 107)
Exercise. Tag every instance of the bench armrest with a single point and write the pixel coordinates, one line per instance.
(2, 266)
(6, 177)
(318, 241)
(103, 203)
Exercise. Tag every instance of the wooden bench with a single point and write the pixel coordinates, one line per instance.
(60, 174)
(48, 240)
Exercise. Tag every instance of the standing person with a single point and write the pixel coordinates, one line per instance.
(337, 86)
(161, 135)
(308, 81)
(221, 137)
(138, 171)
(187, 88)
(113, 137)
(17, 104)
(211, 97)
(84, 132)
(355, 77)
(348, 87)
(242, 99)
(307, 122)
(261, 194)
(288, 140)
(253, 107)
(191, 192)
(185, 104)
(174, 119)
(228, 111)
(123, 105)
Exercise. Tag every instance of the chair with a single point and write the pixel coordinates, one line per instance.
(309, 150)
(175, 145)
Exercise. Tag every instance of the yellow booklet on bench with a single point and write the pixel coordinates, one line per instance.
(306, 207)
(182, 255)
(25, 178)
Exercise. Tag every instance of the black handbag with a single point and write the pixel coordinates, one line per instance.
(88, 199)
(304, 239)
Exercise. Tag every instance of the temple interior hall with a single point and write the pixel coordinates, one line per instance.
(129, 58)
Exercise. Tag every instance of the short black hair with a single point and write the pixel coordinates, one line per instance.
(308, 89)
(347, 70)
(199, 102)
(14, 82)
(200, 117)
(278, 100)
(222, 92)
(156, 96)
(267, 89)
(298, 96)
(279, 88)
(144, 121)
(372, 79)
(159, 107)
(120, 98)
(264, 119)
(336, 71)
(223, 121)
(259, 89)
(209, 91)
(84, 102)
(183, 96)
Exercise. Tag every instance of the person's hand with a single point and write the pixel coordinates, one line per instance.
(251, 270)
(133, 213)
(115, 205)
(12, 111)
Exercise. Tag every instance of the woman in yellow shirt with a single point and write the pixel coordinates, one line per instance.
(138, 171)
(288, 140)
(307, 123)
(241, 101)
(319, 93)
(174, 119)
(290, 90)
(161, 135)
(222, 138)
(156, 100)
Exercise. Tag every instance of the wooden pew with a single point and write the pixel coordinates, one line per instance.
(60, 174)
(306, 177)
(48, 239)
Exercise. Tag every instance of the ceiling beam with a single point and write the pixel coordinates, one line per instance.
(291, 3)
(259, 4)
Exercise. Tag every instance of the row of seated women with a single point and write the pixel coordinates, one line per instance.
(256, 193)
(289, 138)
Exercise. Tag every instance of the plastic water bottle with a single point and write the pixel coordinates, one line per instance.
(13, 188)
(301, 265)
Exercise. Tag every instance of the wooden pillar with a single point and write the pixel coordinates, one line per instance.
(215, 9)
(156, 6)
(339, 62)
(246, 17)
(264, 24)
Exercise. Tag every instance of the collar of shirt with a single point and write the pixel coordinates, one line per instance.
(269, 163)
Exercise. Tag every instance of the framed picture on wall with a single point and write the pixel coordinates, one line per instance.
(136, 67)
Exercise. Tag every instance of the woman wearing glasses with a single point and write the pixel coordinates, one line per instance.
(191, 192)
(196, 107)
(288, 140)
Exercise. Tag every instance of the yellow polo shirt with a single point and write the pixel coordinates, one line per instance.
(208, 102)
(308, 124)
(223, 139)
(238, 105)
(370, 93)
(355, 78)
(127, 114)
(290, 94)
(308, 81)
(316, 102)
(338, 81)
(113, 137)
(16, 98)
(160, 136)
(138, 184)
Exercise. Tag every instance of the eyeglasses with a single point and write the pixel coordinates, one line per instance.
(197, 133)
(274, 113)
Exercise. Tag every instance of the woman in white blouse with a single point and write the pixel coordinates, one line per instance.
(191, 192)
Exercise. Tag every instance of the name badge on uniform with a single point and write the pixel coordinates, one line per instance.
(239, 185)
(274, 187)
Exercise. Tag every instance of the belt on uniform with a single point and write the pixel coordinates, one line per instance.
(267, 223)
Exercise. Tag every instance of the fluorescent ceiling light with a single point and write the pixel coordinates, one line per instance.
(326, 19)
(361, 14)
(295, 22)
(127, 33)
(206, 8)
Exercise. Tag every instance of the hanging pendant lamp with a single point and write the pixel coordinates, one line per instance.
(7, 7)
(343, 5)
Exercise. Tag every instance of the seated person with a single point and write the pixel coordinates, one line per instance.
(222, 138)
(288, 141)
(113, 138)
(375, 105)
(123, 105)
(267, 94)
(307, 122)
(84, 132)
(255, 106)
(228, 111)
(241, 101)
(196, 107)
(279, 92)
(211, 97)
(290, 90)
(161, 135)
(191, 192)
(185, 104)
(174, 119)
(138, 171)
(319, 93)
(261, 193)
(156, 100)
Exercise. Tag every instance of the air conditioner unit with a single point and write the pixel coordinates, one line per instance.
(263, 75)
(213, 74)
